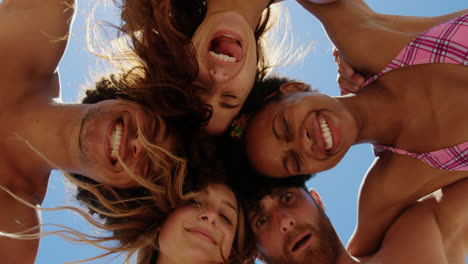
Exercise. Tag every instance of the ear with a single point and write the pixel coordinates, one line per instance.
(292, 87)
(317, 198)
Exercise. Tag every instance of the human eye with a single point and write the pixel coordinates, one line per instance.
(199, 88)
(297, 161)
(230, 96)
(225, 219)
(260, 221)
(286, 129)
(194, 202)
(285, 198)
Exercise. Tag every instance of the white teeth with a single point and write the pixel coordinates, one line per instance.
(222, 57)
(115, 140)
(326, 133)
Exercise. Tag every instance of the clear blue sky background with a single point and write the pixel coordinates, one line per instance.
(338, 187)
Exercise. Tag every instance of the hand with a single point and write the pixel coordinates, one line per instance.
(348, 80)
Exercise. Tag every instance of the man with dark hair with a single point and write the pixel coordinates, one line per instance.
(290, 226)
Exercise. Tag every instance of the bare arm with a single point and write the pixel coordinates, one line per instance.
(33, 36)
(452, 216)
(392, 184)
(380, 36)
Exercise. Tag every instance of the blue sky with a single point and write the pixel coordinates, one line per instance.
(338, 187)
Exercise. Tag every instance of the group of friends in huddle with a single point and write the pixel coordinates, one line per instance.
(195, 152)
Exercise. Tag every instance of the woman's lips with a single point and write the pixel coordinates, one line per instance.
(226, 47)
(334, 133)
(203, 234)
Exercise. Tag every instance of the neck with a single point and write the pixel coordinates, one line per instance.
(251, 10)
(52, 132)
(376, 114)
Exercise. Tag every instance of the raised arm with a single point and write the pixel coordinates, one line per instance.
(391, 185)
(33, 36)
(380, 36)
(452, 216)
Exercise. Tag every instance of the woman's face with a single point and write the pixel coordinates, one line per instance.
(302, 133)
(227, 59)
(108, 130)
(202, 230)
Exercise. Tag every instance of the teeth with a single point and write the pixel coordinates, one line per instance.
(222, 57)
(326, 133)
(115, 140)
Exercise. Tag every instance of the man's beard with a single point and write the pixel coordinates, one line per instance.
(326, 253)
(82, 139)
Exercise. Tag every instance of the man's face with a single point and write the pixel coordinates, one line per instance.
(111, 129)
(290, 227)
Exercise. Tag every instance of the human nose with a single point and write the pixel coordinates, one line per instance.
(208, 215)
(287, 223)
(136, 147)
(218, 75)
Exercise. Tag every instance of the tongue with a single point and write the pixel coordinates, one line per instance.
(227, 46)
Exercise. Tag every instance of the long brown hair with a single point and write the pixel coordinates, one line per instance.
(161, 32)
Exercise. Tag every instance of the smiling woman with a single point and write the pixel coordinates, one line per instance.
(213, 49)
(206, 228)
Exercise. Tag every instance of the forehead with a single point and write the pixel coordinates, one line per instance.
(220, 192)
(276, 194)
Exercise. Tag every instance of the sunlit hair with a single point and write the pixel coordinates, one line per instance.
(242, 251)
(159, 33)
(205, 168)
(131, 216)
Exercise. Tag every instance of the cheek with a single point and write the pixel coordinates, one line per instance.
(220, 120)
(228, 242)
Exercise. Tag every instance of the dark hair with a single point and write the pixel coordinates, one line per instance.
(265, 92)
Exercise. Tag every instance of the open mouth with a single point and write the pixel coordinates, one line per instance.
(327, 134)
(226, 48)
(301, 243)
(115, 141)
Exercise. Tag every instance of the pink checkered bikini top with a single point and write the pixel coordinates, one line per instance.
(445, 43)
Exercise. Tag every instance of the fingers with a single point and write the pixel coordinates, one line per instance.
(346, 86)
(348, 80)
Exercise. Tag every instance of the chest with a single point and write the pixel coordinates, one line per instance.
(413, 238)
(433, 102)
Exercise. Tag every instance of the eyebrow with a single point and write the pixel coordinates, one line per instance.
(257, 211)
(230, 205)
(294, 156)
(273, 128)
(276, 192)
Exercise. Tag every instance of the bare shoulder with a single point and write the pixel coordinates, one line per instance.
(392, 184)
(451, 213)
(414, 237)
(432, 230)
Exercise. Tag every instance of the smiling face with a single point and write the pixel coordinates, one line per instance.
(202, 228)
(301, 133)
(227, 59)
(110, 130)
(290, 227)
